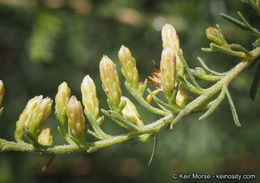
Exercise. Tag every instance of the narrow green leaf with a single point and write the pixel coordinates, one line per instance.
(232, 106)
(251, 28)
(224, 42)
(188, 70)
(142, 87)
(256, 43)
(188, 85)
(119, 118)
(214, 105)
(205, 77)
(93, 133)
(227, 51)
(234, 21)
(254, 6)
(139, 98)
(238, 47)
(203, 64)
(48, 163)
(255, 84)
(208, 50)
(32, 139)
(154, 149)
(167, 106)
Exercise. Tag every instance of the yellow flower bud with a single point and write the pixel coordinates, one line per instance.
(61, 101)
(2, 91)
(89, 97)
(33, 116)
(181, 97)
(128, 66)
(76, 119)
(168, 70)
(130, 112)
(110, 81)
(170, 38)
(45, 137)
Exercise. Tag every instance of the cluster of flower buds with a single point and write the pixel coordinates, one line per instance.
(110, 82)
(76, 120)
(128, 66)
(33, 117)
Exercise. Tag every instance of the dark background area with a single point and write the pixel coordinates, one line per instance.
(43, 43)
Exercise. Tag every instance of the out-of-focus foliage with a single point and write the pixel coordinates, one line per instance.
(72, 36)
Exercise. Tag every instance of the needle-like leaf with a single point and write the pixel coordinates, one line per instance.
(232, 106)
(214, 105)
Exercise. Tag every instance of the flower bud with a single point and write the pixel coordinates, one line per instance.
(168, 70)
(170, 38)
(76, 119)
(182, 97)
(45, 137)
(33, 116)
(2, 91)
(128, 66)
(110, 81)
(61, 100)
(130, 112)
(89, 97)
(214, 35)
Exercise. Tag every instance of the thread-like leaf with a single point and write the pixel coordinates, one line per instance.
(208, 50)
(203, 64)
(154, 149)
(232, 106)
(165, 105)
(32, 139)
(225, 44)
(48, 163)
(238, 47)
(214, 105)
(118, 118)
(254, 86)
(256, 43)
(188, 70)
(227, 51)
(254, 6)
(250, 27)
(234, 21)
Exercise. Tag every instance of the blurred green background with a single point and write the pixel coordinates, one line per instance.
(45, 42)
